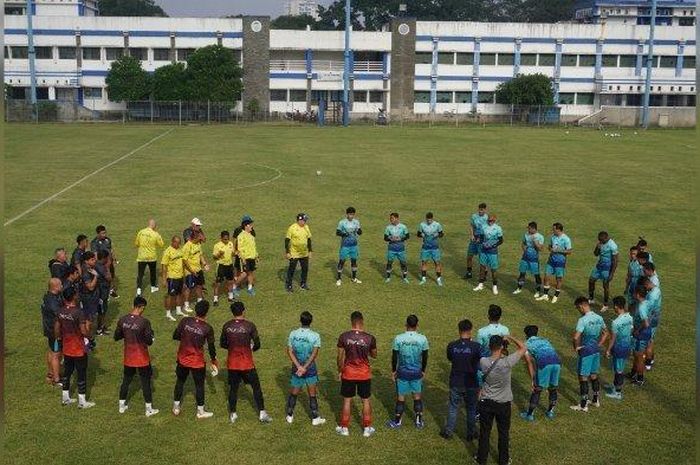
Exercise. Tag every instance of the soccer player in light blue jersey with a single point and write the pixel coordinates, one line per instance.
(559, 250)
(634, 272)
(532, 244)
(590, 334)
(492, 238)
(409, 360)
(302, 349)
(494, 328)
(544, 367)
(620, 346)
(396, 234)
(607, 252)
(643, 246)
(476, 225)
(348, 229)
(430, 231)
(641, 332)
(653, 286)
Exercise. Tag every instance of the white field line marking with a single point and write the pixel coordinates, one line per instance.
(260, 183)
(86, 177)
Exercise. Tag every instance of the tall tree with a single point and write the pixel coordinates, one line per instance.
(214, 74)
(130, 8)
(526, 89)
(332, 18)
(293, 22)
(127, 81)
(171, 82)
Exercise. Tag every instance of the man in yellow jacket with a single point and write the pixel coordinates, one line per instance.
(297, 245)
(147, 241)
(248, 254)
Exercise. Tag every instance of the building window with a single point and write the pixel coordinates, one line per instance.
(376, 96)
(161, 54)
(586, 60)
(421, 96)
(487, 59)
(465, 58)
(443, 97)
(667, 62)
(463, 97)
(568, 60)
(634, 100)
(44, 53)
(506, 59)
(546, 59)
(446, 58)
(277, 95)
(19, 52)
(91, 53)
(139, 53)
(686, 21)
(114, 53)
(528, 59)
(66, 53)
(296, 95)
(92, 92)
(628, 61)
(485, 97)
(424, 58)
(584, 99)
(359, 96)
(689, 62)
(567, 98)
(609, 61)
(184, 53)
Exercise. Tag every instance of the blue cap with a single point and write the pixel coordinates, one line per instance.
(246, 219)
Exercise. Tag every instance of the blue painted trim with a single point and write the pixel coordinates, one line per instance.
(544, 40)
(114, 33)
(282, 75)
(351, 61)
(368, 77)
(500, 78)
(557, 70)
(309, 58)
(598, 57)
(385, 63)
(679, 60)
(475, 73)
(94, 72)
(433, 76)
(81, 98)
(638, 63)
(33, 8)
(516, 58)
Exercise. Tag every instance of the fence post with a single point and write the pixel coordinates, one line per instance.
(179, 112)
(126, 105)
(151, 111)
(539, 114)
(512, 108)
(208, 112)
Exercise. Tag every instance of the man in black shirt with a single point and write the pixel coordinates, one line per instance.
(104, 284)
(89, 291)
(79, 253)
(464, 355)
(52, 304)
(104, 242)
(58, 265)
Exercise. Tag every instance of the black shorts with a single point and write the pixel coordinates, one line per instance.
(224, 273)
(237, 264)
(194, 280)
(175, 286)
(54, 345)
(90, 309)
(250, 265)
(102, 307)
(349, 388)
(249, 377)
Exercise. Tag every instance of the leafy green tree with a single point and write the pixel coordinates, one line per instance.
(171, 82)
(332, 18)
(526, 89)
(130, 8)
(126, 80)
(293, 22)
(214, 74)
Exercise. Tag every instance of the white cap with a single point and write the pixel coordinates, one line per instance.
(196, 222)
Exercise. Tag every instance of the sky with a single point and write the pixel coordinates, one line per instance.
(225, 7)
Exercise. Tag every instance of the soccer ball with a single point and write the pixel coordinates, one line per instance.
(318, 172)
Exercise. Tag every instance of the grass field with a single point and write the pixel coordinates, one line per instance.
(637, 184)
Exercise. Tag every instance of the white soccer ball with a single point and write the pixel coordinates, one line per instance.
(318, 172)
(567, 132)
(606, 134)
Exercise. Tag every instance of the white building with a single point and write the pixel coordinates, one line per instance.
(668, 12)
(53, 7)
(302, 7)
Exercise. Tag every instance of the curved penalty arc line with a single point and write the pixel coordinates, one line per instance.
(278, 174)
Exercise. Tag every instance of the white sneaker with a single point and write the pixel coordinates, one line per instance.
(187, 310)
(86, 405)
(180, 313)
(232, 417)
(318, 421)
(422, 281)
(554, 299)
(138, 291)
(543, 297)
(204, 414)
(479, 287)
(176, 410)
(518, 291)
(356, 281)
(68, 401)
(495, 290)
(123, 408)
(369, 431)
(154, 289)
(439, 281)
(265, 417)
(289, 419)
(151, 412)
(594, 404)
(537, 295)
(342, 430)
(578, 408)
(339, 282)
(170, 316)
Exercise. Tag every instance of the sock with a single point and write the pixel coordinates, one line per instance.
(619, 381)
(338, 274)
(176, 404)
(291, 403)
(553, 396)
(482, 280)
(556, 292)
(199, 299)
(230, 295)
(366, 421)
(250, 286)
(469, 270)
(649, 361)
(178, 308)
(423, 273)
(546, 290)
(640, 377)
(583, 388)
(596, 389)
(345, 419)
(388, 272)
(354, 272)
(495, 282)
(65, 395)
(538, 283)
(216, 298)
(187, 304)
(398, 411)
(438, 274)
(418, 408)
(534, 401)
(149, 407)
(313, 406)
(200, 409)
(81, 399)
(122, 402)
(168, 313)
(521, 280)
(404, 271)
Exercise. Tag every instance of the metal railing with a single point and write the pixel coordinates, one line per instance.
(326, 65)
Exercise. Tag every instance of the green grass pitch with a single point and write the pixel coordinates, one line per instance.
(637, 184)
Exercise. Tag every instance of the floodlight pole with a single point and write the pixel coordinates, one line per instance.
(31, 54)
(650, 62)
(346, 67)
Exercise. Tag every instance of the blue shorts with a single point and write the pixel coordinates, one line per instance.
(589, 364)
(557, 272)
(404, 387)
(349, 252)
(603, 275)
(474, 248)
(640, 345)
(618, 364)
(400, 256)
(427, 255)
(299, 382)
(529, 267)
(548, 376)
(489, 260)
(653, 333)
